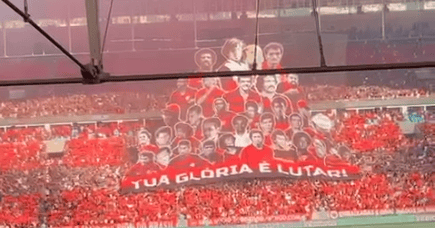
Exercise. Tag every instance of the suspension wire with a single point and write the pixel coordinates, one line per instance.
(256, 36)
(46, 35)
(107, 27)
(318, 33)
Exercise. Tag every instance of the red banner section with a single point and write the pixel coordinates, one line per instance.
(173, 177)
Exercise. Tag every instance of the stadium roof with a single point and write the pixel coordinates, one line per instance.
(160, 37)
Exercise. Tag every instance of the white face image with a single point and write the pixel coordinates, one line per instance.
(163, 158)
(143, 139)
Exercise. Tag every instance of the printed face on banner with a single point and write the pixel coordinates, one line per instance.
(245, 82)
(293, 79)
(219, 105)
(210, 130)
(205, 59)
(184, 149)
(143, 138)
(280, 141)
(163, 138)
(209, 82)
(194, 117)
(274, 53)
(269, 84)
(182, 83)
(163, 157)
(267, 123)
(296, 121)
(257, 139)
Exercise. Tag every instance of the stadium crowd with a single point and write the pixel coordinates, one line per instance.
(81, 104)
(321, 93)
(211, 121)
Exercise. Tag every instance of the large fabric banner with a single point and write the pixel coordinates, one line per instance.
(174, 177)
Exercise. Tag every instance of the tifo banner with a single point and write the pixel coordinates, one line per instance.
(173, 177)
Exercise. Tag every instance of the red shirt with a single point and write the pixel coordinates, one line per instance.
(232, 158)
(237, 102)
(266, 66)
(183, 100)
(282, 124)
(268, 140)
(208, 103)
(196, 83)
(187, 161)
(254, 124)
(228, 83)
(252, 156)
(198, 131)
(226, 118)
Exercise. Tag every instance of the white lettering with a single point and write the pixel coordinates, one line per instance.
(334, 173)
(136, 183)
(192, 177)
(264, 167)
(291, 171)
(245, 169)
(164, 180)
(307, 168)
(234, 171)
(180, 178)
(207, 173)
(146, 184)
(319, 171)
(224, 171)
(280, 169)
(344, 173)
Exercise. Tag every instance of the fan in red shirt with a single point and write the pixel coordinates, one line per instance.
(238, 97)
(257, 152)
(206, 96)
(205, 59)
(184, 96)
(220, 107)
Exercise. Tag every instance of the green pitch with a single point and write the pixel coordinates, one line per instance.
(397, 225)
